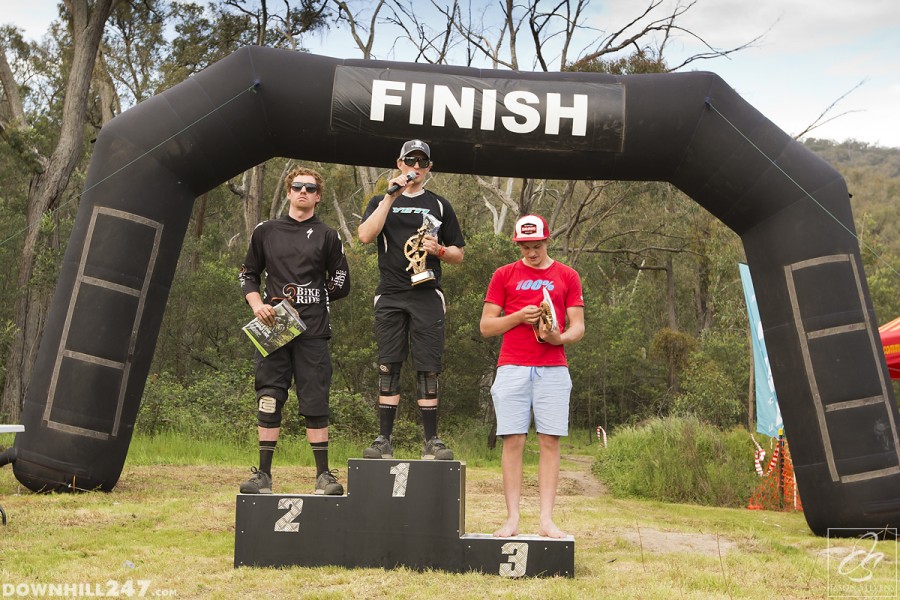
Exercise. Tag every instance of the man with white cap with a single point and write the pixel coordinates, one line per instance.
(409, 309)
(521, 304)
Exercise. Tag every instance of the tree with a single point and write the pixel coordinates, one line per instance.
(277, 30)
(366, 176)
(49, 177)
(132, 50)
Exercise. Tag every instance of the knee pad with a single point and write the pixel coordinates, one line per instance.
(319, 422)
(427, 384)
(269, 414)
(389, 379)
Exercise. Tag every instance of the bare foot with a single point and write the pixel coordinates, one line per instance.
(509, 529)
(549, 529)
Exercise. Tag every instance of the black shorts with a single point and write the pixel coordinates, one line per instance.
(411, 320)
(305, 360)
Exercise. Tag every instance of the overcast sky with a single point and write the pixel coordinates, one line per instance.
(813, 52)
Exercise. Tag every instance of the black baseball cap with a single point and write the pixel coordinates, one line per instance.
(411, 146)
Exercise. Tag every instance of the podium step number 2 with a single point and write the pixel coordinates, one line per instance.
(397, 513)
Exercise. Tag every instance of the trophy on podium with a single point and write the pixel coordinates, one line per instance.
(414, 250)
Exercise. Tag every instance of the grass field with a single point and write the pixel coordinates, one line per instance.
(167, 530)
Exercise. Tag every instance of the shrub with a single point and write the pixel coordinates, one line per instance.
(221, 405)
(218, 404)
(708, 394)
(161, 405)
(352, 417)
(679, 460)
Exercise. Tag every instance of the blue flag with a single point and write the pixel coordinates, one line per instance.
(768, 415)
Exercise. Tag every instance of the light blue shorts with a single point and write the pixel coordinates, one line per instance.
(519, 390)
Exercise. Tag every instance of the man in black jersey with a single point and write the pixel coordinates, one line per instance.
(410, 317)
(303, 261)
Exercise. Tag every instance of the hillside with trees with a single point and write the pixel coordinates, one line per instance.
(872, 174)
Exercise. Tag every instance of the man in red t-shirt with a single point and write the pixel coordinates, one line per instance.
(532, 372)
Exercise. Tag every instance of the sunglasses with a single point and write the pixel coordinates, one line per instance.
(311, 188)
(410, 161)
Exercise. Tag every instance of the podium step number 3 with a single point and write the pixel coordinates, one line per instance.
(397, 513)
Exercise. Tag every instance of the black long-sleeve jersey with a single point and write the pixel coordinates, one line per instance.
(300, 260)
(402, 222)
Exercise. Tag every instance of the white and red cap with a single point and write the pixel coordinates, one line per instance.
(531, 228)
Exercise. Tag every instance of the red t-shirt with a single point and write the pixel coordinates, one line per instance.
(515, 286)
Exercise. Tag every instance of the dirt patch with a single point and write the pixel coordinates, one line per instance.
(216, 479)
(661, 542)
(579, 481)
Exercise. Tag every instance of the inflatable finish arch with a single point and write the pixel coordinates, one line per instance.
(690, 129)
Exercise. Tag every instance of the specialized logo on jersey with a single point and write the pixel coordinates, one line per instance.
(534, 284)
(301, 294)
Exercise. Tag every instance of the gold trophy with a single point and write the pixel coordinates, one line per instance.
(414, 250)
(547, 318)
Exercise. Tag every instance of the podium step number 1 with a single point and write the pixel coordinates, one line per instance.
(397, 513)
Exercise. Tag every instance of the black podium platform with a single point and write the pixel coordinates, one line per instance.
(396, 513)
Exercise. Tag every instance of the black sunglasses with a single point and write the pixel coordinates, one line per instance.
(311, 188)
(410, 161)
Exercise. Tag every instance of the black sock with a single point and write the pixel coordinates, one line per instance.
(386, 415)
(320, 453)
(266, 450)
(429, 421)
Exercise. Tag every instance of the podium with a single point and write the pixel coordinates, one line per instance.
(397, 513)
